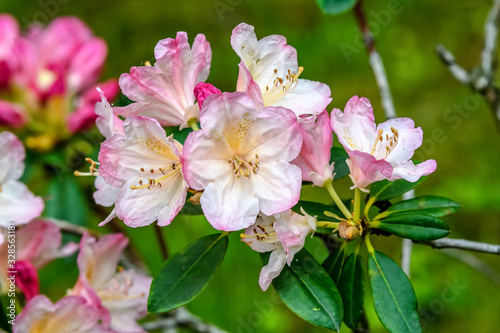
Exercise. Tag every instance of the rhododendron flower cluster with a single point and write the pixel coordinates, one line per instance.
(252, 150)
(48, 78)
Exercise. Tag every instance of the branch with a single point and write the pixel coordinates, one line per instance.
(480, 78)
(375, 62)
(463, 244)
(407, 245)
(181, 318)
(475, 263)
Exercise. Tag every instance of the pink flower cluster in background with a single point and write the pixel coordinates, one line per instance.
(48, 77)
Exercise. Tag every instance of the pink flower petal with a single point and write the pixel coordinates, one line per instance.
(69, 314)
(98, 259)
(355, 127)
(10, 32)
(366, 169)
(202, 90)
(314, 156)
(27, 279)
(18, 204)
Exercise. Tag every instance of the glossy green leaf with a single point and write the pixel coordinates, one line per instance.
(393, 295)
(191, 209)
(426, 205)
(307, 290)
(339, 155)
(187, 273)
(66, 200)
(415, 227)
(351, 288)
(385, 189)
(334, 7)
(334, 262)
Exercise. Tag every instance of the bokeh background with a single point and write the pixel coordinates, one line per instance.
(452, 296)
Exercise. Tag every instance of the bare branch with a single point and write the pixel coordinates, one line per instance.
(69, 227)
(463, 244)
(375, 62)
(490, 38)
(448, 59)
(481, 77)
(475, 263)
(407, 245)
(181, 317)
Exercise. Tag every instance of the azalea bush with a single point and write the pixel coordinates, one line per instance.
(171, 142)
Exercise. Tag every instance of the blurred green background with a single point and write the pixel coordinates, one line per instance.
(465, 146)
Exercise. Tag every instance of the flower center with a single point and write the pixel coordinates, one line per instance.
(279, 87)
(245, 168)
(381, 150)
(262, 234)
(45, 79)
(166, 176)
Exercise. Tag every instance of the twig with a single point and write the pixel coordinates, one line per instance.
(463, 244)
(69, 227)
(480, 78)
(407, 245)
(475, 263)
(161, 241)
(375, 62)
(181, 318)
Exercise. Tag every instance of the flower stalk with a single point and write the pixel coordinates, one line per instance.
(337, 200)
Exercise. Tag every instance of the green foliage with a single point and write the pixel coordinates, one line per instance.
(339, 155)
(187, 273)
(415, 227)
(66, 200)
(191, 209)
(393, 295)
(427, 205)
(307, 290)
(333, 264)
(385, 189)
(351, 289)
(334, 7)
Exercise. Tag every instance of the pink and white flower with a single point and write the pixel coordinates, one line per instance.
(241, 159)
(17, 203)
(314, 157)
(121, 297)
(38, 243)
(284, 234)
(165, 91)
(146, 166)
(378, 152)
(70, 314)
(269, 73)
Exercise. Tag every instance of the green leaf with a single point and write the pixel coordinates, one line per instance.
(187, 273)
(351, 289)
(66, 200)
(393, 295)
(415, 227)
(307, 290)
(334, 7)
(334, 262)
(339, 155)
(386, 189)
(191, 209)
(426, 205)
